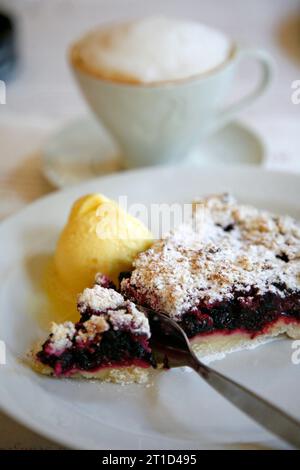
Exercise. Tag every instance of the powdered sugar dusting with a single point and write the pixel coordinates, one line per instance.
(226, 247)
(130, 319)
(119, 312)
(99, 298)
(109, 310)
(61, 336)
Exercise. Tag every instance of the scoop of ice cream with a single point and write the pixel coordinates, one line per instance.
(99, 237)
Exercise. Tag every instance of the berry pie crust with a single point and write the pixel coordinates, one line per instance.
(230, 277)
(110, 342)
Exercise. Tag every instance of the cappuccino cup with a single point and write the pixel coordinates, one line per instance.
(159, 85)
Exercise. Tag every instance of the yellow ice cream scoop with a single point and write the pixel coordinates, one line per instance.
(99, 237)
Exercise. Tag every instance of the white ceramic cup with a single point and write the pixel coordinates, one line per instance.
(156, 124)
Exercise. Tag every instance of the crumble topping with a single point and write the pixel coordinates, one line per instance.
(120, 313)
(101, 279)
(131, 319)
(61, 335)
(99, 298)
(226, 247)
(109, 310)
(92, 327)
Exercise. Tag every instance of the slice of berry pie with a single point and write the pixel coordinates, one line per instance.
(231, 277)
(110, 342)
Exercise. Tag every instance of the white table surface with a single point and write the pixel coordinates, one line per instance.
(43, 95)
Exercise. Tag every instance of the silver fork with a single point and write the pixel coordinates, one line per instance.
(170, 341)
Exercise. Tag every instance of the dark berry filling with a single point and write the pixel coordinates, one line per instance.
(115, 347)
(227, 228)
(283, 256)
(104, 281)
(124, 275)
(251, 313)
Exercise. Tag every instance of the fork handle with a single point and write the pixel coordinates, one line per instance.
(257, 408)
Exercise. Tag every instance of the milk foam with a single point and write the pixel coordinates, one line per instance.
(152, 50)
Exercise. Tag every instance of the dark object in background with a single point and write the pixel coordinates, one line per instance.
(7, 47)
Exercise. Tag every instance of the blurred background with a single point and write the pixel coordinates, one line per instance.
(41, 94)
(43, 84)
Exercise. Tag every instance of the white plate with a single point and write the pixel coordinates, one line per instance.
(179, 410)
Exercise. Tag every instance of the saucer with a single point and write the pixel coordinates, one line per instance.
(83, 149)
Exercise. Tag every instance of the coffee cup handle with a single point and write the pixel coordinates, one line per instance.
(266, 63)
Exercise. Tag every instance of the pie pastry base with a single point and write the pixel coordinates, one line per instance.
(215, 346)
(119, 375)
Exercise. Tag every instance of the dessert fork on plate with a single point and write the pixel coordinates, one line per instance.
(171, 343)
